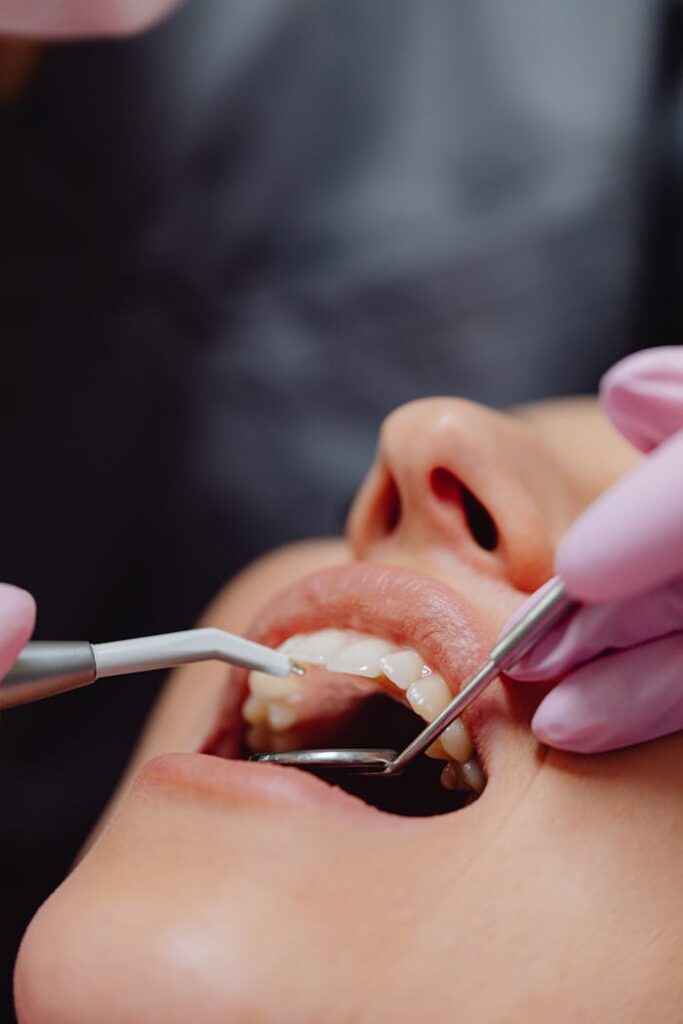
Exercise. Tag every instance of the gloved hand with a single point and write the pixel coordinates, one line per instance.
(623, 557)
(17, 616)
(74, 18)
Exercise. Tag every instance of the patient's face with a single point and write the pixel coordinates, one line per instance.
(222, 891)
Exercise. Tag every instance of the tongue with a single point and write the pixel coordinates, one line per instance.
(326, 707)
(323, 695)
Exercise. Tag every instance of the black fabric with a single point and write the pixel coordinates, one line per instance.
(232, 245)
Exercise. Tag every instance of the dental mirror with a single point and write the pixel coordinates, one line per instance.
(363, 761)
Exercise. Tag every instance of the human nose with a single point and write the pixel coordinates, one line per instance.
(454, 481)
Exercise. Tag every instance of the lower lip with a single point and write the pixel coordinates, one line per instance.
(245, 783)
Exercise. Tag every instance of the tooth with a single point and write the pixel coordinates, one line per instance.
(256, 738)
(362, 657)
(437, 751)
(261, 739)
(287, 646)
(316, 648)
(429, 696)
(263, 685)
(456, 741)
(451, 777)
(280, 717)
(403, 668)
(473, 774)
(254, 710)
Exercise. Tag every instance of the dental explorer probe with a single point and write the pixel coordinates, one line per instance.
(552, 605)
(45, 668)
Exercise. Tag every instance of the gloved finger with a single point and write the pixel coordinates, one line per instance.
(592, 629)
(643, 396)
(617, 700)
(17, 618)
(76, 19)
(631, 538)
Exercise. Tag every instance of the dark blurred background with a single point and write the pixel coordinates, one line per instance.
(232, 245)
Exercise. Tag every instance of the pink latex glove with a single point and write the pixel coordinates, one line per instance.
(623, 558)
(17, 616)
(78, 18)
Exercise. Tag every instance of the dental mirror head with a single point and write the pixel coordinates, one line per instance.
(363, 761)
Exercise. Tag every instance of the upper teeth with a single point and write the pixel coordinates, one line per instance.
(403, 668)
(272, 702)
(316, 648)
(429, 696)
(361, 657)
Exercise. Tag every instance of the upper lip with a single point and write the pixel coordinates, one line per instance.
(405, 607)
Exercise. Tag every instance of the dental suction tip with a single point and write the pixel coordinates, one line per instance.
(365, 761)
(296, 668)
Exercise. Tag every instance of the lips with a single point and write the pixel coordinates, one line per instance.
(404, 607)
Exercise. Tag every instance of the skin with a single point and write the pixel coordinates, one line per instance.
(555, 896)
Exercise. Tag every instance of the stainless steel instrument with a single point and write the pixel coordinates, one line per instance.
(45, 668)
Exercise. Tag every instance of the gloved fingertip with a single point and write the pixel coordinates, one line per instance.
(529, 672)
(583, 575)
(17, 618)
(555, 724)
(17, 609)
(548, 729)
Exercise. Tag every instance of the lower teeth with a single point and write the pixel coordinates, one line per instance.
(279, 713)
(451, 777)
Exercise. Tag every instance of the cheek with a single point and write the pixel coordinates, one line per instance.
(174, 920)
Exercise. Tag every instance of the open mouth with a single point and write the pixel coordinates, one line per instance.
(385, 651)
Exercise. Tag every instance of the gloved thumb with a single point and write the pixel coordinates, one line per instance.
(17, 618)
(631, 539)
(643, 396)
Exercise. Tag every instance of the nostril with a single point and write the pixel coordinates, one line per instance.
(390, 507)
(482, 526)
(446, 487)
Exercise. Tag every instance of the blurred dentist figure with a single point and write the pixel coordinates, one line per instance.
(320, 211)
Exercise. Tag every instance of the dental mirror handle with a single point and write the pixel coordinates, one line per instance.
(46, 668)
